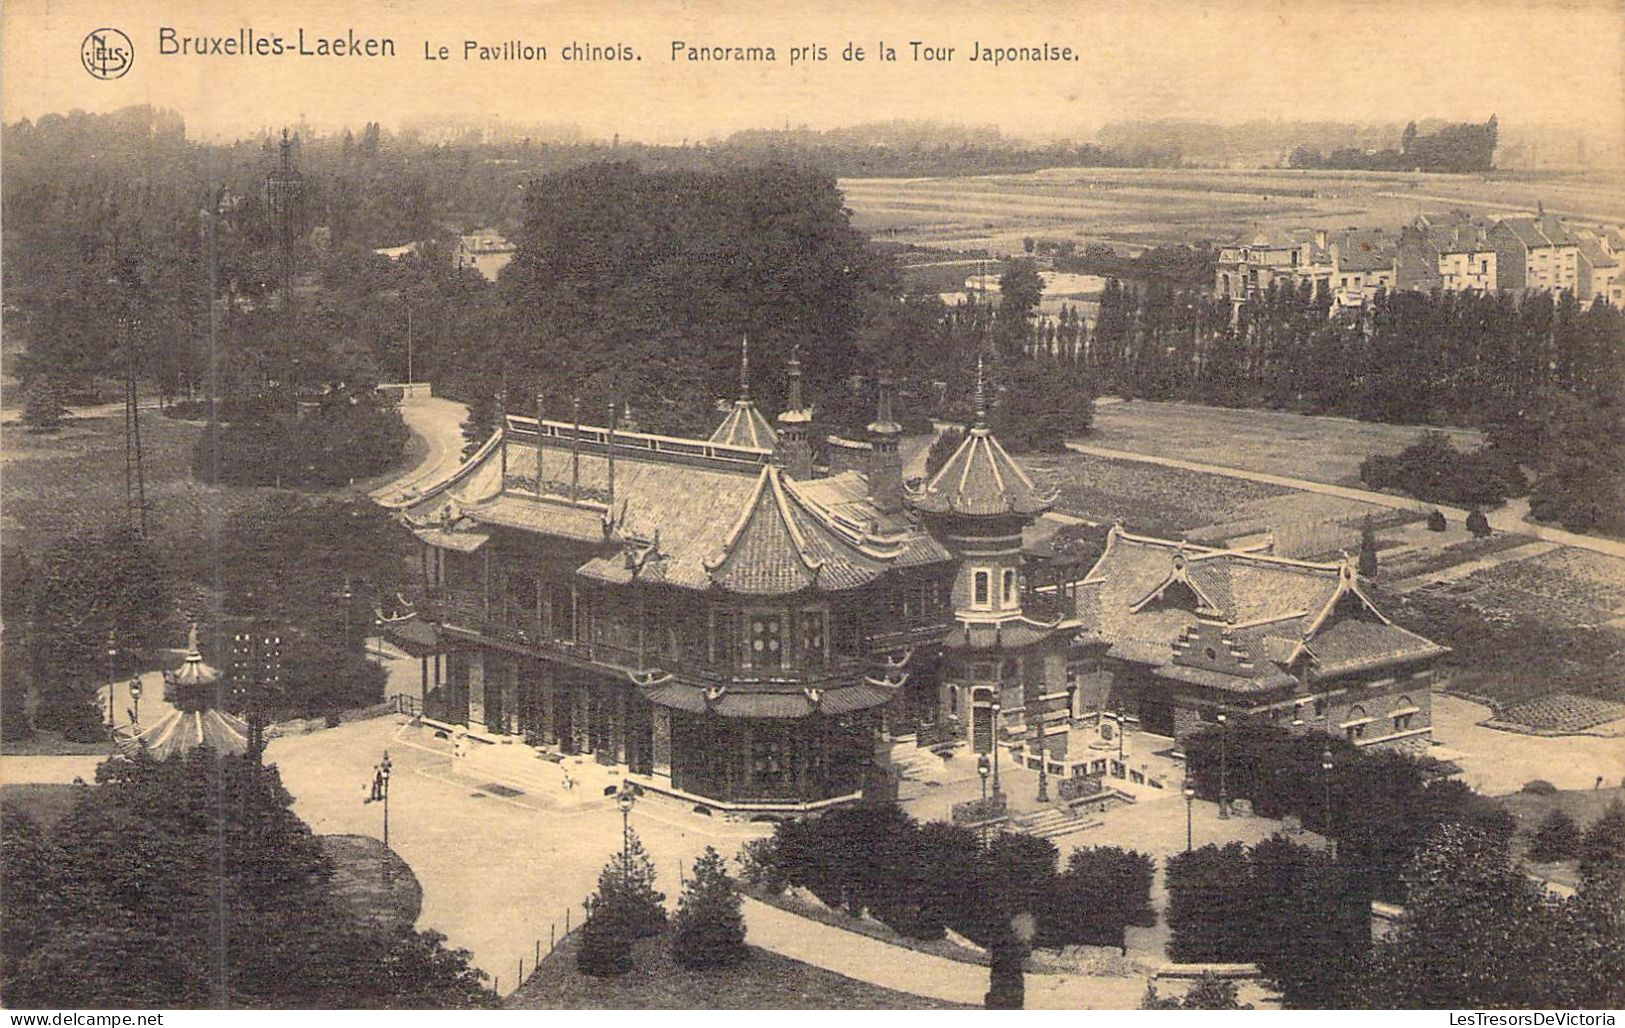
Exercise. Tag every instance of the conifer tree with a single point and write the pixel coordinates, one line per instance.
(710, 926)
(1557, 838)
(626, 886)
(1368, 548)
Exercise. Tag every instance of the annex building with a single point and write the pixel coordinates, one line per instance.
(740, 626)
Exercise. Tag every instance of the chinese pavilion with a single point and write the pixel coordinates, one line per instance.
(738, 626)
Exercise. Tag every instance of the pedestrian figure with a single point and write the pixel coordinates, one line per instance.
(569, 783)
(1599, 783)
(457, 747)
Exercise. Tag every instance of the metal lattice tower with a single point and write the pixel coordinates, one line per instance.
(284, 194)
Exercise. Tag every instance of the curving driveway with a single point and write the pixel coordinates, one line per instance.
(439, 423)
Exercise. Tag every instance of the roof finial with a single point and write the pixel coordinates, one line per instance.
(795, 379)
(744, 367)
(981, 395)
(191, 641)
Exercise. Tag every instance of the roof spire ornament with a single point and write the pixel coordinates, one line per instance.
(981, 395)
(744, 367)
(795, 380)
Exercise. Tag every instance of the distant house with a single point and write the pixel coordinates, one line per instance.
(1463, 257)
(485, 252)
(1247, 266)
(1365, 264)
(1535, 254)
(1601, 273)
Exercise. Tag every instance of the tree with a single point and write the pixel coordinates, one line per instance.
(605, 949)
(710, 923)
(1436, 521)
(626, 888)
(1477, 933)
(1556, 838)
(1478, 524)
(190, 883)
(1602, 852)
(1368, 549)
(944, 445)
(1212, 913)
(44, 410)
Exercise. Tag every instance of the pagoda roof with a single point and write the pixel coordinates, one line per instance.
(745, 425)
(1146, 598)
(181, 731)
(981, 479)
(688, 513)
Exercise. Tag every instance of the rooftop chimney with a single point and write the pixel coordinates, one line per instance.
(885, 464)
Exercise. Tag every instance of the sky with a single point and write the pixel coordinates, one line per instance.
(1528, 61)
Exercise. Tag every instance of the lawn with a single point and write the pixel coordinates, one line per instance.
(1319, 449)
(766, 981)
(1146, 497)
(45, 804)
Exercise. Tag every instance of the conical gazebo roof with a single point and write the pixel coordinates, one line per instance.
(192, 670)
(181, 731)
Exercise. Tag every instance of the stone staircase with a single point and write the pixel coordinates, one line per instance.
(1052, 823)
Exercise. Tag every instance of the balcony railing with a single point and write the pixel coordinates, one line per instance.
(527, 633)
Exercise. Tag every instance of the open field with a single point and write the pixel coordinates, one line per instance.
(766, 981)
(1319, 449)
(1145, 497)
(1142, 207)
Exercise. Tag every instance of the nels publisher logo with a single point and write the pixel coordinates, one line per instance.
(107, 53)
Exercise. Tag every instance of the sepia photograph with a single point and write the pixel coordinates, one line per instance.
(728, 506)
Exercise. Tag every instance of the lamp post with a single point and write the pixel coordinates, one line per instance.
(1043, 770)
(378, 624)
(1326, 774)
(624, 799)
(112, 654)
(1190, 799)
(984, 768)
(135, 699)
(997, 727)
(383, 779)
(1224, 765)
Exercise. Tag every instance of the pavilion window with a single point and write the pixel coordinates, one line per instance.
(766, 640)
(812, 638)
(980, 589)
(1009, 587)
(727, 637)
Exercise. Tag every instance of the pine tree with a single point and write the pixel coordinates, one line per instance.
(626, 886)
(1557, 838)
(605, 950)
(710, 925)
(44, 410)
(1368, 549)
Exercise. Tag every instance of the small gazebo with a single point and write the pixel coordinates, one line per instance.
(195, 720)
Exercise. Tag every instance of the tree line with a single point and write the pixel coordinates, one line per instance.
(1454, 149)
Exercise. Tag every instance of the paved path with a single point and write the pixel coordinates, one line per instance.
(439, 423)
(923, 974)
(99, 410)
(1508, 518)
(1496, 762)
(47, 770)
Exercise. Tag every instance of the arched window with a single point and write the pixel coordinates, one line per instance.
(1009, 587)
(953, 699)
(1403, 713)
(1354, 727)
(980, 589)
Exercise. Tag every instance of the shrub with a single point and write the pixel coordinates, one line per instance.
(1209, 992)
(1603, 849)
(1539, 787)
(1212, 914)
(1556, 838)
(942, 447)
(1434, 471)
(605, 950)
(710, 927)
(1436, 521)
(1478, 524)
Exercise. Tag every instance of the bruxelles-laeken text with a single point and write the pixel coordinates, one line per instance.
(247, 42)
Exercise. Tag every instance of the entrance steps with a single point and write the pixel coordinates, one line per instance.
(1052, 823)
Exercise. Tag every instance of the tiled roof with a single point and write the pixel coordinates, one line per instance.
(1009, 635)
(1537, 232)
(1270, 609)
(732, 521)
(1353, 644)
(981, 479)
(1591, 248)
(181, 731)
(748, 703)
(745, 426)
(1365, 250)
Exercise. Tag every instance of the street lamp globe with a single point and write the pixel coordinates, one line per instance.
(625, 798)
(984, 767)
(1326, 760)
(135, 688)
(1190, 791)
